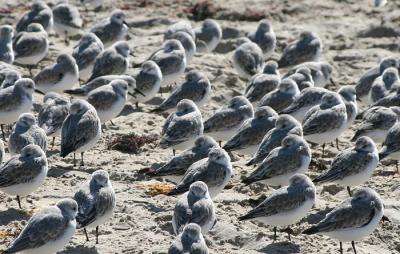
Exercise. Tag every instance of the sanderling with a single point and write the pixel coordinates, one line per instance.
(40, 13)
(348, 94)
(24, 173)
(302, 77)
(188, 44)
(307, 48)
(60, 76)
(112, 61)
(148, 81)
(215, 171)
(31, 47)
(292, 157)
(171, 59)
(225, 122)
(376, 123)
(109, 100)
(86, 88)
(248, 59)
(85, 54)
(320, 71)
(250, 134)
(265, 38)
(26, 132)
(365, 82)
(262, 83)
(180, 26)
(112, 29)
(285, 125)
(391, 145)
(390, 100)
(67, 20)
(48, 231)
(96, 202)
(53, 113)
(194, 206)
(15, 100)
(6, 49)
(177, 166)
(10, 78)
(81, 129)
(208, 36)
(189, 241)
(181, 128)
(383, 84)
(280, 98)
(307, 98)
(353, 219)
(325, 122)
(353, 166)
(196, 88)
(285, 206)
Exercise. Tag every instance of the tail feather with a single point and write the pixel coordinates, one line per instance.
(310, 231)
(382, 155)
(76, 91)
(177, 191)
(245, 217)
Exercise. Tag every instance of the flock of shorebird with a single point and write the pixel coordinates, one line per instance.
(274, 121)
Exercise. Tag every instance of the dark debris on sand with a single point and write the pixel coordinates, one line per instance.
(130, 143)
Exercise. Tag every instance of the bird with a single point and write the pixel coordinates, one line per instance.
(196, 88)
(262, 83)
(225, 122)
(353, 166)
(208, 36)
(194, 206)
(48, 231)
(353, 219)
(60, 76)
(96, 202)
(215, 171)
(249, 135)
(26, 132)
(15, 100)
(51, 116)
(112, 61)
(180, 26)
(280, 98)
(307, 48)
(6, 49)
(383, 85)
(24, 173)
(285, 125)
(85, 53)
(80, 130)
(188, 44)
(366, 80)
(302, 76)
(171, 59)
(349, 97)
(10, 78)
(148, 81)
(182, 128)
(248, 59)
(321, 72)
(176, 167)
(286, 205)
(40, 13)
(109, 100)
(391, 146)
(376, 123)
(392, 99)
(189, 241)
(31, 46)
(112, 30)
(265, 37)
(379, 3)
(308, 98)
(292, 157)
(325, 122)
(67, 20)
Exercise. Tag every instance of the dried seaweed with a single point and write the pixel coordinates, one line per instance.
(130, 143)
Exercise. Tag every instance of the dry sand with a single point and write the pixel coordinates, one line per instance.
(142, 223)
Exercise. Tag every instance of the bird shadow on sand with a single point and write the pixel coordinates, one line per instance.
(12, 214)
(80, 250)
(280, 247)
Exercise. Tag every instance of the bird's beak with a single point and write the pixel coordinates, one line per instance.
(39, 92)
(333, 82)
(358, 99)
(132, 54)
(125, 23)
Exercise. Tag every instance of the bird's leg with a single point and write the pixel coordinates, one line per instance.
(274, 234)
(137, 105)
(112, 123)
(87, 237)
(30, 70)
(82, 164)
(354, 247)
(52, 143)
(19, 202)
(97, 234)
(349, 191)
(2, 132)
(173, 151)
(337, 143)
(66, 40)
(341, 248)
(220, 143)
(323, 150)
(289, 231)
(74, 161)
